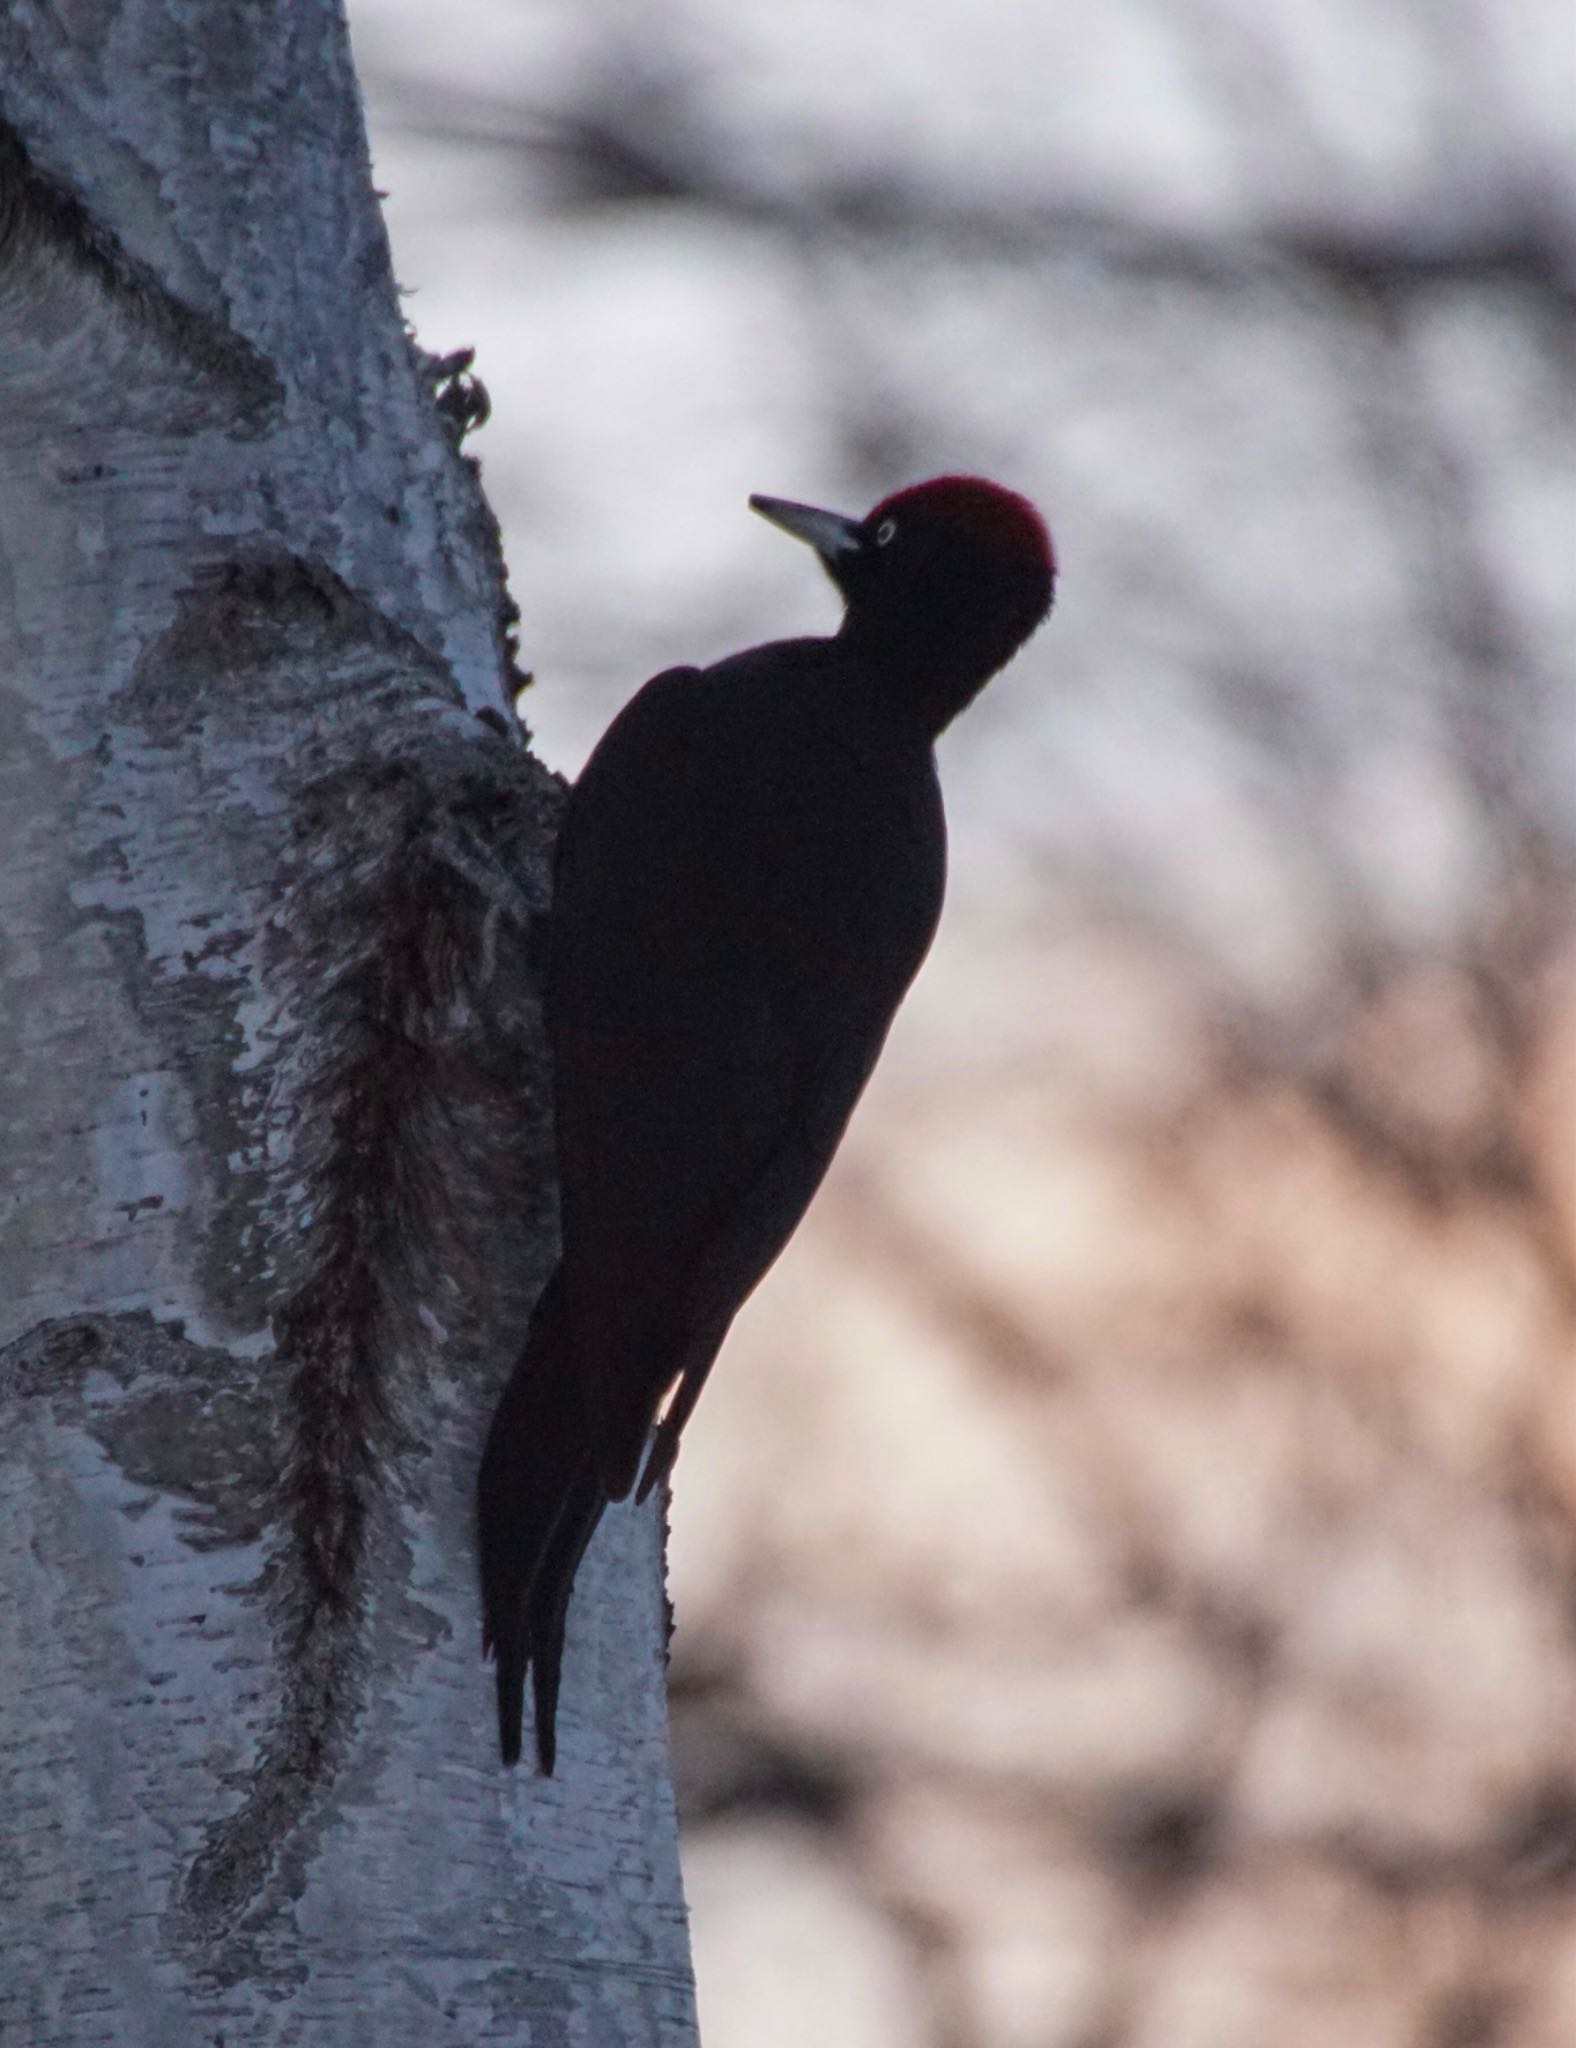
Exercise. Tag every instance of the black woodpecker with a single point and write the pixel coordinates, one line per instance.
(749, 874)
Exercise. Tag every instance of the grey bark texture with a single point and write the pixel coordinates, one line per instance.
(276, 1190)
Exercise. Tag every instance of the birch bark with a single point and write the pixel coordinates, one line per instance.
(276, 1189)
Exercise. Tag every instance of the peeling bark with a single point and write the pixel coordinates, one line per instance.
(278, 1188)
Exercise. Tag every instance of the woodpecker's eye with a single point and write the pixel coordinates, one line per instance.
(885, 532)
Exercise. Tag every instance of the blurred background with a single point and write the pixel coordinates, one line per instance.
(1126, 1563)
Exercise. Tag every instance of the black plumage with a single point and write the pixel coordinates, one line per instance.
(749, 874)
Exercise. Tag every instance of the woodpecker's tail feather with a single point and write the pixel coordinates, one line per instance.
(549, 1610)
(537, 1502)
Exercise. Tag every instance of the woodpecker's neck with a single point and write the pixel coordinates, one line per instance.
(927, 671)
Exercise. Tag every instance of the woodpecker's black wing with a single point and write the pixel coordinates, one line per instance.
(751, 870)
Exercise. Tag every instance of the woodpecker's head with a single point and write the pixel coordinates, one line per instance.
(943, 582)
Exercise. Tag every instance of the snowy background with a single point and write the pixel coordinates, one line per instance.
(1126, 1562)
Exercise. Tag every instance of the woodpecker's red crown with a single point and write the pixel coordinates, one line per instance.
(972, 507)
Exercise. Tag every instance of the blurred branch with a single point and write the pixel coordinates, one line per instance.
(644, 137)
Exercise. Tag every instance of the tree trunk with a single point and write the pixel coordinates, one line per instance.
(277, 1187)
